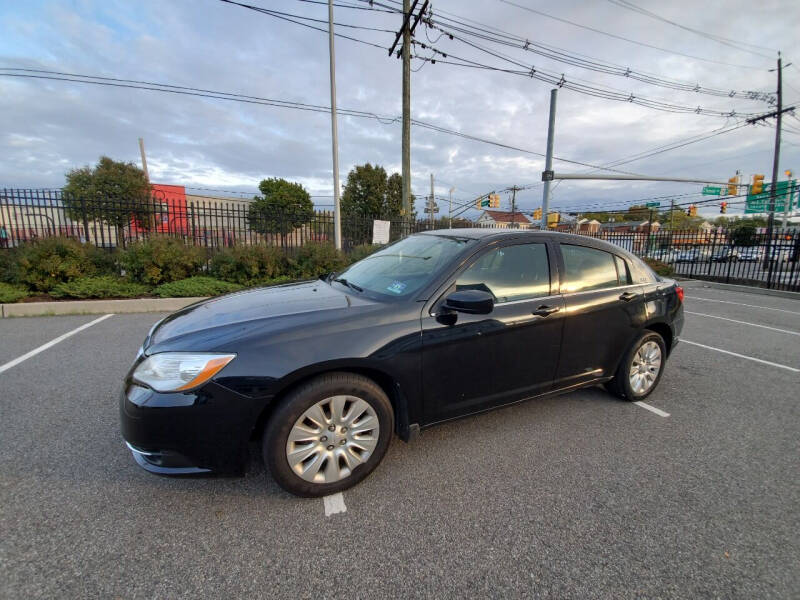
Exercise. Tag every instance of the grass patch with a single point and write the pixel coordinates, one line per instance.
(196, 286)
(660, 267)
(99, 287)
(12, 293)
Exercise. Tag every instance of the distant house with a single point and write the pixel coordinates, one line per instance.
(587, 226)
(630, 226)
(502, 219)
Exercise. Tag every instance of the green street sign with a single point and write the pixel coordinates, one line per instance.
(485, 202)
(711, 190)
(653, 204)
(759, 203)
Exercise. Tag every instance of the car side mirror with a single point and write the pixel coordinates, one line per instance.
(472, 302)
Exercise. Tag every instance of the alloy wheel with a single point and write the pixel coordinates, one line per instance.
(645, 367)
(332, 438)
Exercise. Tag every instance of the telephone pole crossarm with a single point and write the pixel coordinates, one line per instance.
(406, 19)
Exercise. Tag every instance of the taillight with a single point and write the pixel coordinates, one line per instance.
(679, 291)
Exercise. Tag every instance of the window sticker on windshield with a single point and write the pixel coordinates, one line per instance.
(397, 287)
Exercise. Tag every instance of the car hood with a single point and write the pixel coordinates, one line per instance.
(218, 319)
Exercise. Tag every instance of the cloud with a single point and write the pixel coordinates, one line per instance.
(49, 127)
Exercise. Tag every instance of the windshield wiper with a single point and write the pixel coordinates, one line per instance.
(349, 284)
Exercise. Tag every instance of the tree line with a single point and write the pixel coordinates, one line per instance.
(95, 193)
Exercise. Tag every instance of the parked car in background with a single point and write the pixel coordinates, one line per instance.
(436, 326)
(749, 254)
(725, 255)
(688, 256)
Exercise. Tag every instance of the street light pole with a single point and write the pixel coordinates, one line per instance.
(548, 164)
(337, 217)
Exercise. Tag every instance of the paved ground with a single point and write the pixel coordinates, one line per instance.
(580, 496)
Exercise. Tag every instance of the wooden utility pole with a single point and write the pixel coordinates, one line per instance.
(337, 217)
(406, 32)
(513, 206)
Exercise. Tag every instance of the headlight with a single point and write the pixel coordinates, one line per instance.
(179, 371)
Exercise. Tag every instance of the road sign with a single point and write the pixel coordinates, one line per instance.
(653, 204)
(711, 190)
(759, 203)
(548, 175)
(435, 209)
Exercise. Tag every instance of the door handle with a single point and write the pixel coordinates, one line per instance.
(628, 296)
(544, 311)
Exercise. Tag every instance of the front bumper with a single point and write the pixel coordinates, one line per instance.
(187, 433)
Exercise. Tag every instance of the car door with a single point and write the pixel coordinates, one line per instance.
(473, 362)
(604, 312)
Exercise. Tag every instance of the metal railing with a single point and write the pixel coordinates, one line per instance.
(740, 256)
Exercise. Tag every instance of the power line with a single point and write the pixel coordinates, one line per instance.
(235, 97)
(593, 64)
(736, 44)
(625, 39)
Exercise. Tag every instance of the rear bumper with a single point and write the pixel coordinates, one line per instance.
(182, 434)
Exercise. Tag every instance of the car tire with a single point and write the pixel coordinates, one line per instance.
(623, 384)
(349, 461)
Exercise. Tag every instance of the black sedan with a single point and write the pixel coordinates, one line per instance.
(436, 326)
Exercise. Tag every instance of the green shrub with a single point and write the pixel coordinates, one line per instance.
(314, 259)
(248, 265)
(9, 266)
(161, 260)
(105, 261)
(362, 251)
(12, 293)
(49, 261)
(106, 286)
(195, 286)
(660, 267)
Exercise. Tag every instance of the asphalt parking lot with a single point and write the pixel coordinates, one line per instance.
(578, 496)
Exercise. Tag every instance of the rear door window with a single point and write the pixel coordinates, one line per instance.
(588, 269)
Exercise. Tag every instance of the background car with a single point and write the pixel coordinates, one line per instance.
(725, 255)
(688, 256)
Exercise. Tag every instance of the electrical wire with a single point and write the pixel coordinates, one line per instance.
(625, 39)
(736, 44)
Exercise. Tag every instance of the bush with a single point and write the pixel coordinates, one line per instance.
(106, 286)
(47, 262)
(161, 260)
(195, 286)
(312, 260)
(660, 267)
(9, 266)
(363, 251)
(105, 261)
(12, 293)
(248, 265)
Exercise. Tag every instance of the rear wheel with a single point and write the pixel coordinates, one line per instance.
(640, 370)
(328, 434)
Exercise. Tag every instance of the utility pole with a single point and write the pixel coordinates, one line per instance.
(671, 214)
(432, 203)
(337, 217)
(775, 160)
(513, 206)
(547, 176)
(406, 32)
(144, 159)
(450, 209)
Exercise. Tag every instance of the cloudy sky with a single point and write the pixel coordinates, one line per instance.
(48, 127)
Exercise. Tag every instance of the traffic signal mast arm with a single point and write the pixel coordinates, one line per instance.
(562, 176)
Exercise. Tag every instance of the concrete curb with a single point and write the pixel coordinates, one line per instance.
(700, 283)
(95, 307)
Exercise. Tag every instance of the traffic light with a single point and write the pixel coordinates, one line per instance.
(537, 214)
(691, 211)
(723, 207)
(494, 200)
(758, 185)
(733, 186)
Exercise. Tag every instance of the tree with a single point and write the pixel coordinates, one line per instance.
(369, 194)
(743, 233)
(637, 212)
(111, 191)
(283, 207)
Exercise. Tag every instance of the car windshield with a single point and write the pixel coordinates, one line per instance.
(404, 267)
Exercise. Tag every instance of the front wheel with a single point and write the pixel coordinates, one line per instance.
(328, 434)
(640, 370)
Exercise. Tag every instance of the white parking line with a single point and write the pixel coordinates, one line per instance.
(688, 312)
(653, 409)
(50, 344)
(334, 504)
(758, 360)
(791, 312)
